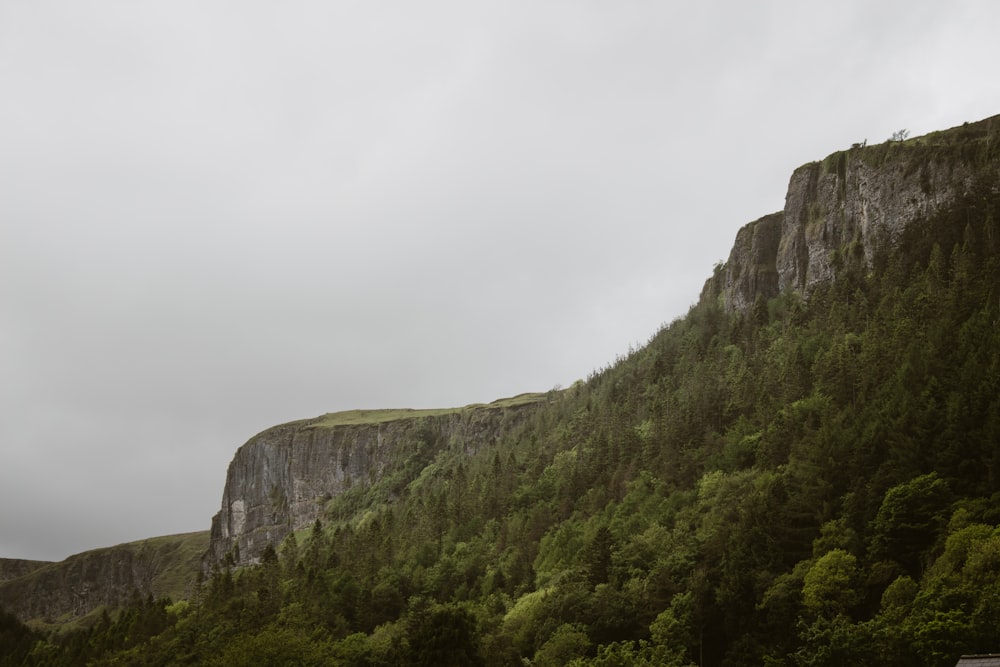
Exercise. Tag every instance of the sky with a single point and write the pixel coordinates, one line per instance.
(220, 216)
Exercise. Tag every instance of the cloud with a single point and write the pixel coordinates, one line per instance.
(220, 216)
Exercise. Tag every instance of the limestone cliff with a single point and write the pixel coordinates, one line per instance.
(64, 592)
(281, 479)
(846, 210)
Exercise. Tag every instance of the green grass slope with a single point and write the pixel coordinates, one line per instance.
(355, 417)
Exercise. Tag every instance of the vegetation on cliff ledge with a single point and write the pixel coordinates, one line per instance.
(354, 417)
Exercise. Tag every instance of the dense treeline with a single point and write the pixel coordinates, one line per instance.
(806, 483)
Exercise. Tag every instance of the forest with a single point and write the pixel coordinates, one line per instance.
(810, 482)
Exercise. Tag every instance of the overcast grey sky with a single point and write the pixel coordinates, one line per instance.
(219, 216)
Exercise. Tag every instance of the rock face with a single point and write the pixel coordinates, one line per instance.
(848, 208)
(62, 592)
(752, 266)
(281, 479)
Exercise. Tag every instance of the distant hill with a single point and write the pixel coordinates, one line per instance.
(50, 594)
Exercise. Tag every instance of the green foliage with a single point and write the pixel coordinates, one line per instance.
(808, 483)
(16, 640)
(274, 647)
(443, 635)
(566, 644)
(830, 587)
(910, 520)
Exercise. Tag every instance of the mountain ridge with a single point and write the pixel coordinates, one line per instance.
(279, 481)
(843, 211)
(839, 218)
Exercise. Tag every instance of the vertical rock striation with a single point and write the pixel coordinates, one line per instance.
(282, 478)
(66, 591)
(847, 209)
(752, 266)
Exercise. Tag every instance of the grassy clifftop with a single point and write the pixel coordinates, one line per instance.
(354, 417)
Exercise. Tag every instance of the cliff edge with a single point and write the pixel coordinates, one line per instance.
(843, 212)
(282, 478)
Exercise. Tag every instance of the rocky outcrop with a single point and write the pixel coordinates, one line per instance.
(63, 592)
(849, 208)
(752, 266)
(282, 478)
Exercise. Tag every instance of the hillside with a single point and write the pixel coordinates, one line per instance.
(281, 480)
(55, 594)
(803, 470)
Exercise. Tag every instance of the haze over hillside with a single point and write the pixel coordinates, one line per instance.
(220, 219)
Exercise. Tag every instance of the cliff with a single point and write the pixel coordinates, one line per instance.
(841, 213)
(845, 211)
(65, 592)
(281, 479)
